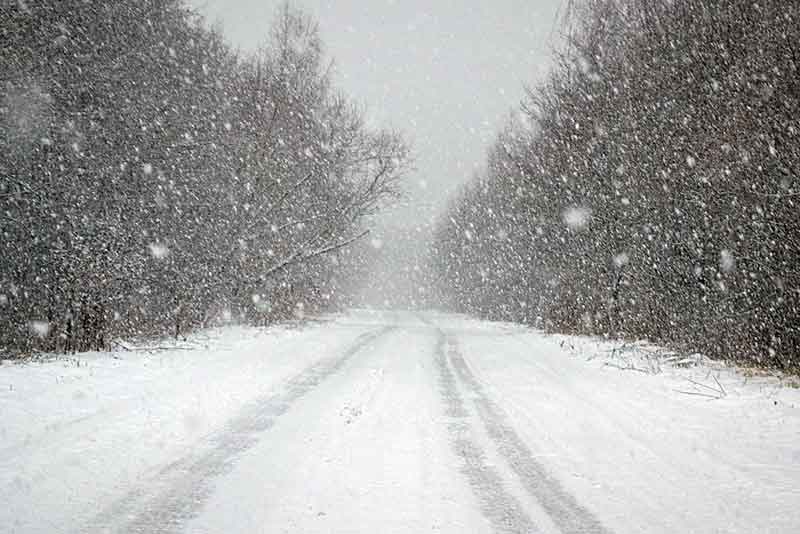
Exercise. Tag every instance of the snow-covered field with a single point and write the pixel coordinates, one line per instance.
(395, 422)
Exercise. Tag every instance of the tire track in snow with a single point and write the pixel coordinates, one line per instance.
(503, 510)
(180, 489)
(564, 510)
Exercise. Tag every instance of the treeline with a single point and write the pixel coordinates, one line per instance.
(649, 188)
(153, 180)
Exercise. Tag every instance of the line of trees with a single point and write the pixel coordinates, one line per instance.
(649, 188)
(152, 179)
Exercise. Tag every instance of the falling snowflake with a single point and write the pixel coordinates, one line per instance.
(622, 259)
(147, 169)
(726, 261)
(260, 303)
(158, 250)
(40, 328)
(576, 218)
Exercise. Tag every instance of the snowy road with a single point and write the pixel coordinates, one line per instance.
(394, 422)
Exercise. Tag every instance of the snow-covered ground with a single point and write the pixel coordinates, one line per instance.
(395, 422)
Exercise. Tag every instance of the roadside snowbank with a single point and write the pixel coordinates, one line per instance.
(648, 445)
(76, 433)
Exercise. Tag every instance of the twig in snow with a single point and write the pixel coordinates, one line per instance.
(716, 393)
(120, 345)
(698, 394)
(719, 390)
(722, 389)
(630, 367)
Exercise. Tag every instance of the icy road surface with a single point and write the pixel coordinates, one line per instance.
(394, 422)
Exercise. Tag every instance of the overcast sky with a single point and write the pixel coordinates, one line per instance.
(445, 72)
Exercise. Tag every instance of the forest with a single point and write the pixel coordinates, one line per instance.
(649, 188)
(155, 180)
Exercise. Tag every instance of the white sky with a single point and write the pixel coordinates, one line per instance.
(444, 72)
